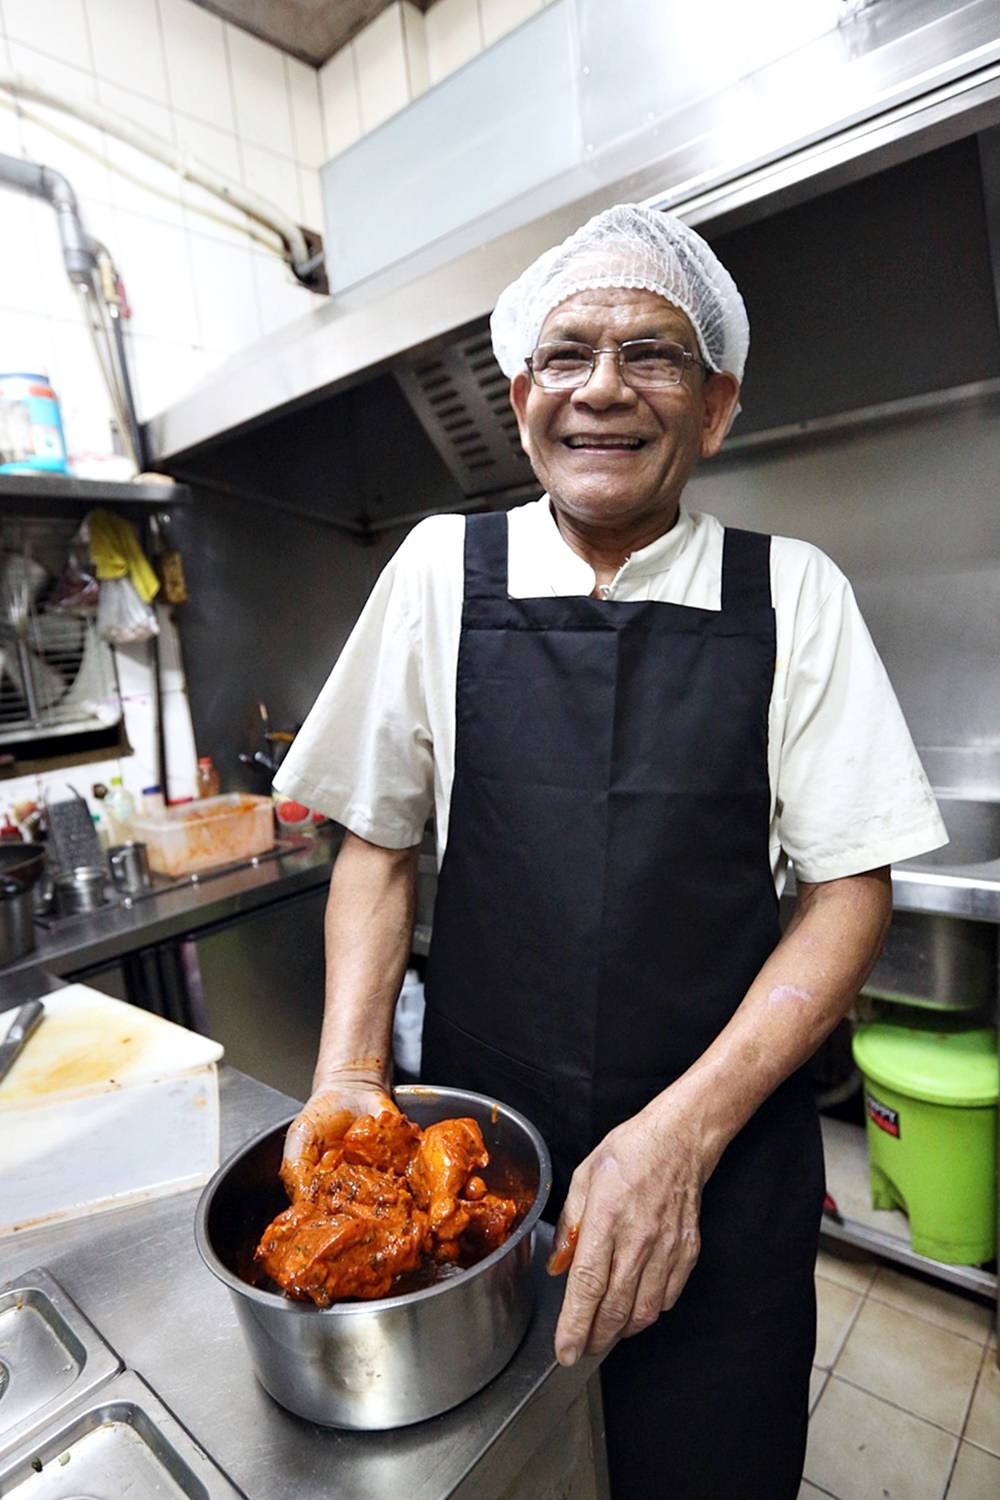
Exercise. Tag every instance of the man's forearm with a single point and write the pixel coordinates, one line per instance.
(368, 929)
(805, 987)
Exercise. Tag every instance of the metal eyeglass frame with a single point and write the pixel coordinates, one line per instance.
(617, 351)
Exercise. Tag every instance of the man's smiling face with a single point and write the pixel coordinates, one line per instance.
(611, 456)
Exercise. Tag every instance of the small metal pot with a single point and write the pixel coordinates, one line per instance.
(129, 865)
(17, 927)
(397, 1360)
(82, 889)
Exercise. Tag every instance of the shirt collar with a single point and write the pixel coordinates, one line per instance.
(542, 562)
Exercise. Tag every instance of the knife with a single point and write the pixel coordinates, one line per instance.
(21, 1028)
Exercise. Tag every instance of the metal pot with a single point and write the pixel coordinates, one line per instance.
(398, 1360)
(83, 888)
(17, 926)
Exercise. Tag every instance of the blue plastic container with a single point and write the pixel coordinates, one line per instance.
(31, 430)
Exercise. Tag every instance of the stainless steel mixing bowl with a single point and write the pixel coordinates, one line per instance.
(396, 1360)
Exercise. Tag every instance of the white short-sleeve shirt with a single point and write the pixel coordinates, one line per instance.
(848, 792)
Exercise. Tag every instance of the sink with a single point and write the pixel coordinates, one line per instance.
(973, 826)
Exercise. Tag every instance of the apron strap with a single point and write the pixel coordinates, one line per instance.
(486, 556)
(746, 570)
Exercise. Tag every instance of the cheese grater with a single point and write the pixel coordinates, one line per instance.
(72, 835)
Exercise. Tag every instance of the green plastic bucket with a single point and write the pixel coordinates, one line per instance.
(931, 1121)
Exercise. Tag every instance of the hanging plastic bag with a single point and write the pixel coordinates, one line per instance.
(75, 591)
(121, 615)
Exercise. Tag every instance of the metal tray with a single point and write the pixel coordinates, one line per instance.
(50, 1356)
(120, 1441)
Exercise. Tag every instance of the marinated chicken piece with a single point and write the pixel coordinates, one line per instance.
(326, 1256)
(469, 1230)
(385, 1197)
(354, 1233)
(389, 1143)
(448, 1154)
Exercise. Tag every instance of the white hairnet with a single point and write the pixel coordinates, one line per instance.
(627, 246)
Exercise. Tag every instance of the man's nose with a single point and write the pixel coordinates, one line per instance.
(605, 386)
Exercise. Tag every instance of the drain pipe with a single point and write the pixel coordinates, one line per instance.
(80, 256)
(43, 182)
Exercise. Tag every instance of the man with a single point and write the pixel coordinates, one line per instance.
(624, 717)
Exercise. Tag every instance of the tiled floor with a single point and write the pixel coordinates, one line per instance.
(905, 1393)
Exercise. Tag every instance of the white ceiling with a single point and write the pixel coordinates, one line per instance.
(311, 29)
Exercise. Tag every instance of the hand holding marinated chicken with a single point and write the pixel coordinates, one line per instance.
(385, 1199)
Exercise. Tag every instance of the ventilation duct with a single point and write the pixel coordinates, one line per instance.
(461, 398)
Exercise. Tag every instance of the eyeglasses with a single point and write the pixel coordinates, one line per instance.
(644, 364)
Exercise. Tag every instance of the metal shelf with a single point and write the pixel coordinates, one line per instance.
(64, 495)
(883, 1232)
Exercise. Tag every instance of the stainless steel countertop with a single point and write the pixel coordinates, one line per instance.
(136, 1274)
(90, 939)
(972, 891)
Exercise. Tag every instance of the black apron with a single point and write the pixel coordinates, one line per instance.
(605, 902)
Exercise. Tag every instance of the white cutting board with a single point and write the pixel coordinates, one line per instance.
(106, 1105)
(88, 1041)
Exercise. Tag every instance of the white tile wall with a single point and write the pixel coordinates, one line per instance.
(339, 97)
(127, 45)
(197, 63)
(383, 77)
(415, 43)
(454, 35)
(501, 16)
(260, 90)
(307, 115)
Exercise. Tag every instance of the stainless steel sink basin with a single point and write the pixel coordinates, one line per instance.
(973, 829)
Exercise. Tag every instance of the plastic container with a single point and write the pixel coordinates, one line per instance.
(105, 1105)
(119, 809)
(208, 777)
(213, 831)
(931, 1107)
(293, 817)
(31, 430)
(152, 801)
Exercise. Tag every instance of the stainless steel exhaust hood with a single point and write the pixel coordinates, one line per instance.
(893, 80)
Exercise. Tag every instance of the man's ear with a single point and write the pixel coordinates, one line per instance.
(720, 396)
(520, 388)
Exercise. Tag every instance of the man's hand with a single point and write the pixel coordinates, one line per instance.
(327, 1115)
(633, 1208)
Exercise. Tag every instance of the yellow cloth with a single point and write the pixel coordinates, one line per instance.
(115, 550)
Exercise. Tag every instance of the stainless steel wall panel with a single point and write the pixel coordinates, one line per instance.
(486, 135)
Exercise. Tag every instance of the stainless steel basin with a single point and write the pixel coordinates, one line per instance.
(973, 826)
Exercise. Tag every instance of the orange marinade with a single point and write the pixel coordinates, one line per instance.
(388, 1198)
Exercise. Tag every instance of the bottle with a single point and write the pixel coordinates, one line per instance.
(208, 777)
(9, 833)
(152, 801)
(119, 808)
(101, 829)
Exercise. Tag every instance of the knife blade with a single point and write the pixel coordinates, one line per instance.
(21, 1028)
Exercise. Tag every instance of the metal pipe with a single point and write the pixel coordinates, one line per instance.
(43, 182)
(302, 260)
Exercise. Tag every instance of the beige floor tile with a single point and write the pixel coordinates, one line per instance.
(861, 1448)
(924, 1369)
(984, 1419)
(959, 1314)
(817, 1380)
(809, 1491)
(976, 1476)
(835, 1311)
(846, 1265)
